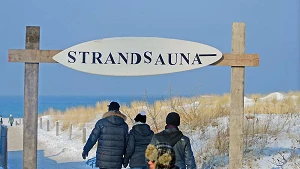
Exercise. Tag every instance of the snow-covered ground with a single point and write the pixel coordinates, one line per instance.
(281, 150)
(269, 151)
(46, 158)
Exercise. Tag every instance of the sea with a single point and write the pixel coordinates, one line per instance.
(14, 105)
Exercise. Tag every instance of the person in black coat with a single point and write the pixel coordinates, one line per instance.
(11, 120)
(139, 138)
(111, 132)
(180, 143)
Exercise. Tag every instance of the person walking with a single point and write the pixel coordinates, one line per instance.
(139, 138)
(180, 143)
(1, 121)
(111, 132)
(10, 120)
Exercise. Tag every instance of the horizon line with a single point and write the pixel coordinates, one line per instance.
(149, 95)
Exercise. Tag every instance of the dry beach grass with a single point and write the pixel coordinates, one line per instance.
(198, 114)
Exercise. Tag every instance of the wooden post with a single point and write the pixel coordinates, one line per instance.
(57, 128)
(84, 135)
(70, 132)
(47, 125)
(31, 101)
(41, 123)
(237, 100)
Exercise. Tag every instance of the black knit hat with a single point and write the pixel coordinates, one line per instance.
(173, 118)
(113, 106)
(141, 117)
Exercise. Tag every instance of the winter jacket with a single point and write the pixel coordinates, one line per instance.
(139, 137)
(181, 145)
(111, 132)
(10, 119)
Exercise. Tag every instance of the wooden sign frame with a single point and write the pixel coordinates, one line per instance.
(32, 56)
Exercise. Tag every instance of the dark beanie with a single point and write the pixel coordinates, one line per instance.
(113, 106)
(173, 118)
(141, 117)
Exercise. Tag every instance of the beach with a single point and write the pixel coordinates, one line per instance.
(271, 134)
(15, 152)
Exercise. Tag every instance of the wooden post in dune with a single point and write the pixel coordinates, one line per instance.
(236, 118)
(32, 56)
(84, 135)
(57, 128)
(48, 125)
(31, 101)
(70, 132)
(41, 123)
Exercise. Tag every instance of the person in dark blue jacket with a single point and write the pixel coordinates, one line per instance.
(139, 138)
(111, 132)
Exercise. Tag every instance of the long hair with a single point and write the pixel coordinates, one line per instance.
(162, 155)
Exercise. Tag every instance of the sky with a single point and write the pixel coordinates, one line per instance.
(272, 31)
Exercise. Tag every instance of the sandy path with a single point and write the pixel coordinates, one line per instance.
(15, 148)
(15, 137)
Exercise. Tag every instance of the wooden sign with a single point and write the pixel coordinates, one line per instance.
(137, 56)
(134, 57)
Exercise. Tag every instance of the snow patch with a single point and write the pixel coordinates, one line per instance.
(277, 96)
(283, 147)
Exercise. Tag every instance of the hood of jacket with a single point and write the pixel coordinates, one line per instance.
(142, 129)
(171, 136)
(115, 117)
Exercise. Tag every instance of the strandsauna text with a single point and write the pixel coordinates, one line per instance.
(135, 58)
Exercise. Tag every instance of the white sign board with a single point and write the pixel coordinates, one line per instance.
(137, 56)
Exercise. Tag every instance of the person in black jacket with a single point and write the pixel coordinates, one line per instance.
(139, 138)
(180, 143)
(11, 120)
(111, 132)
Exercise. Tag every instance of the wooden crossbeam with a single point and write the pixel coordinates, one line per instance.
(45, 56)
